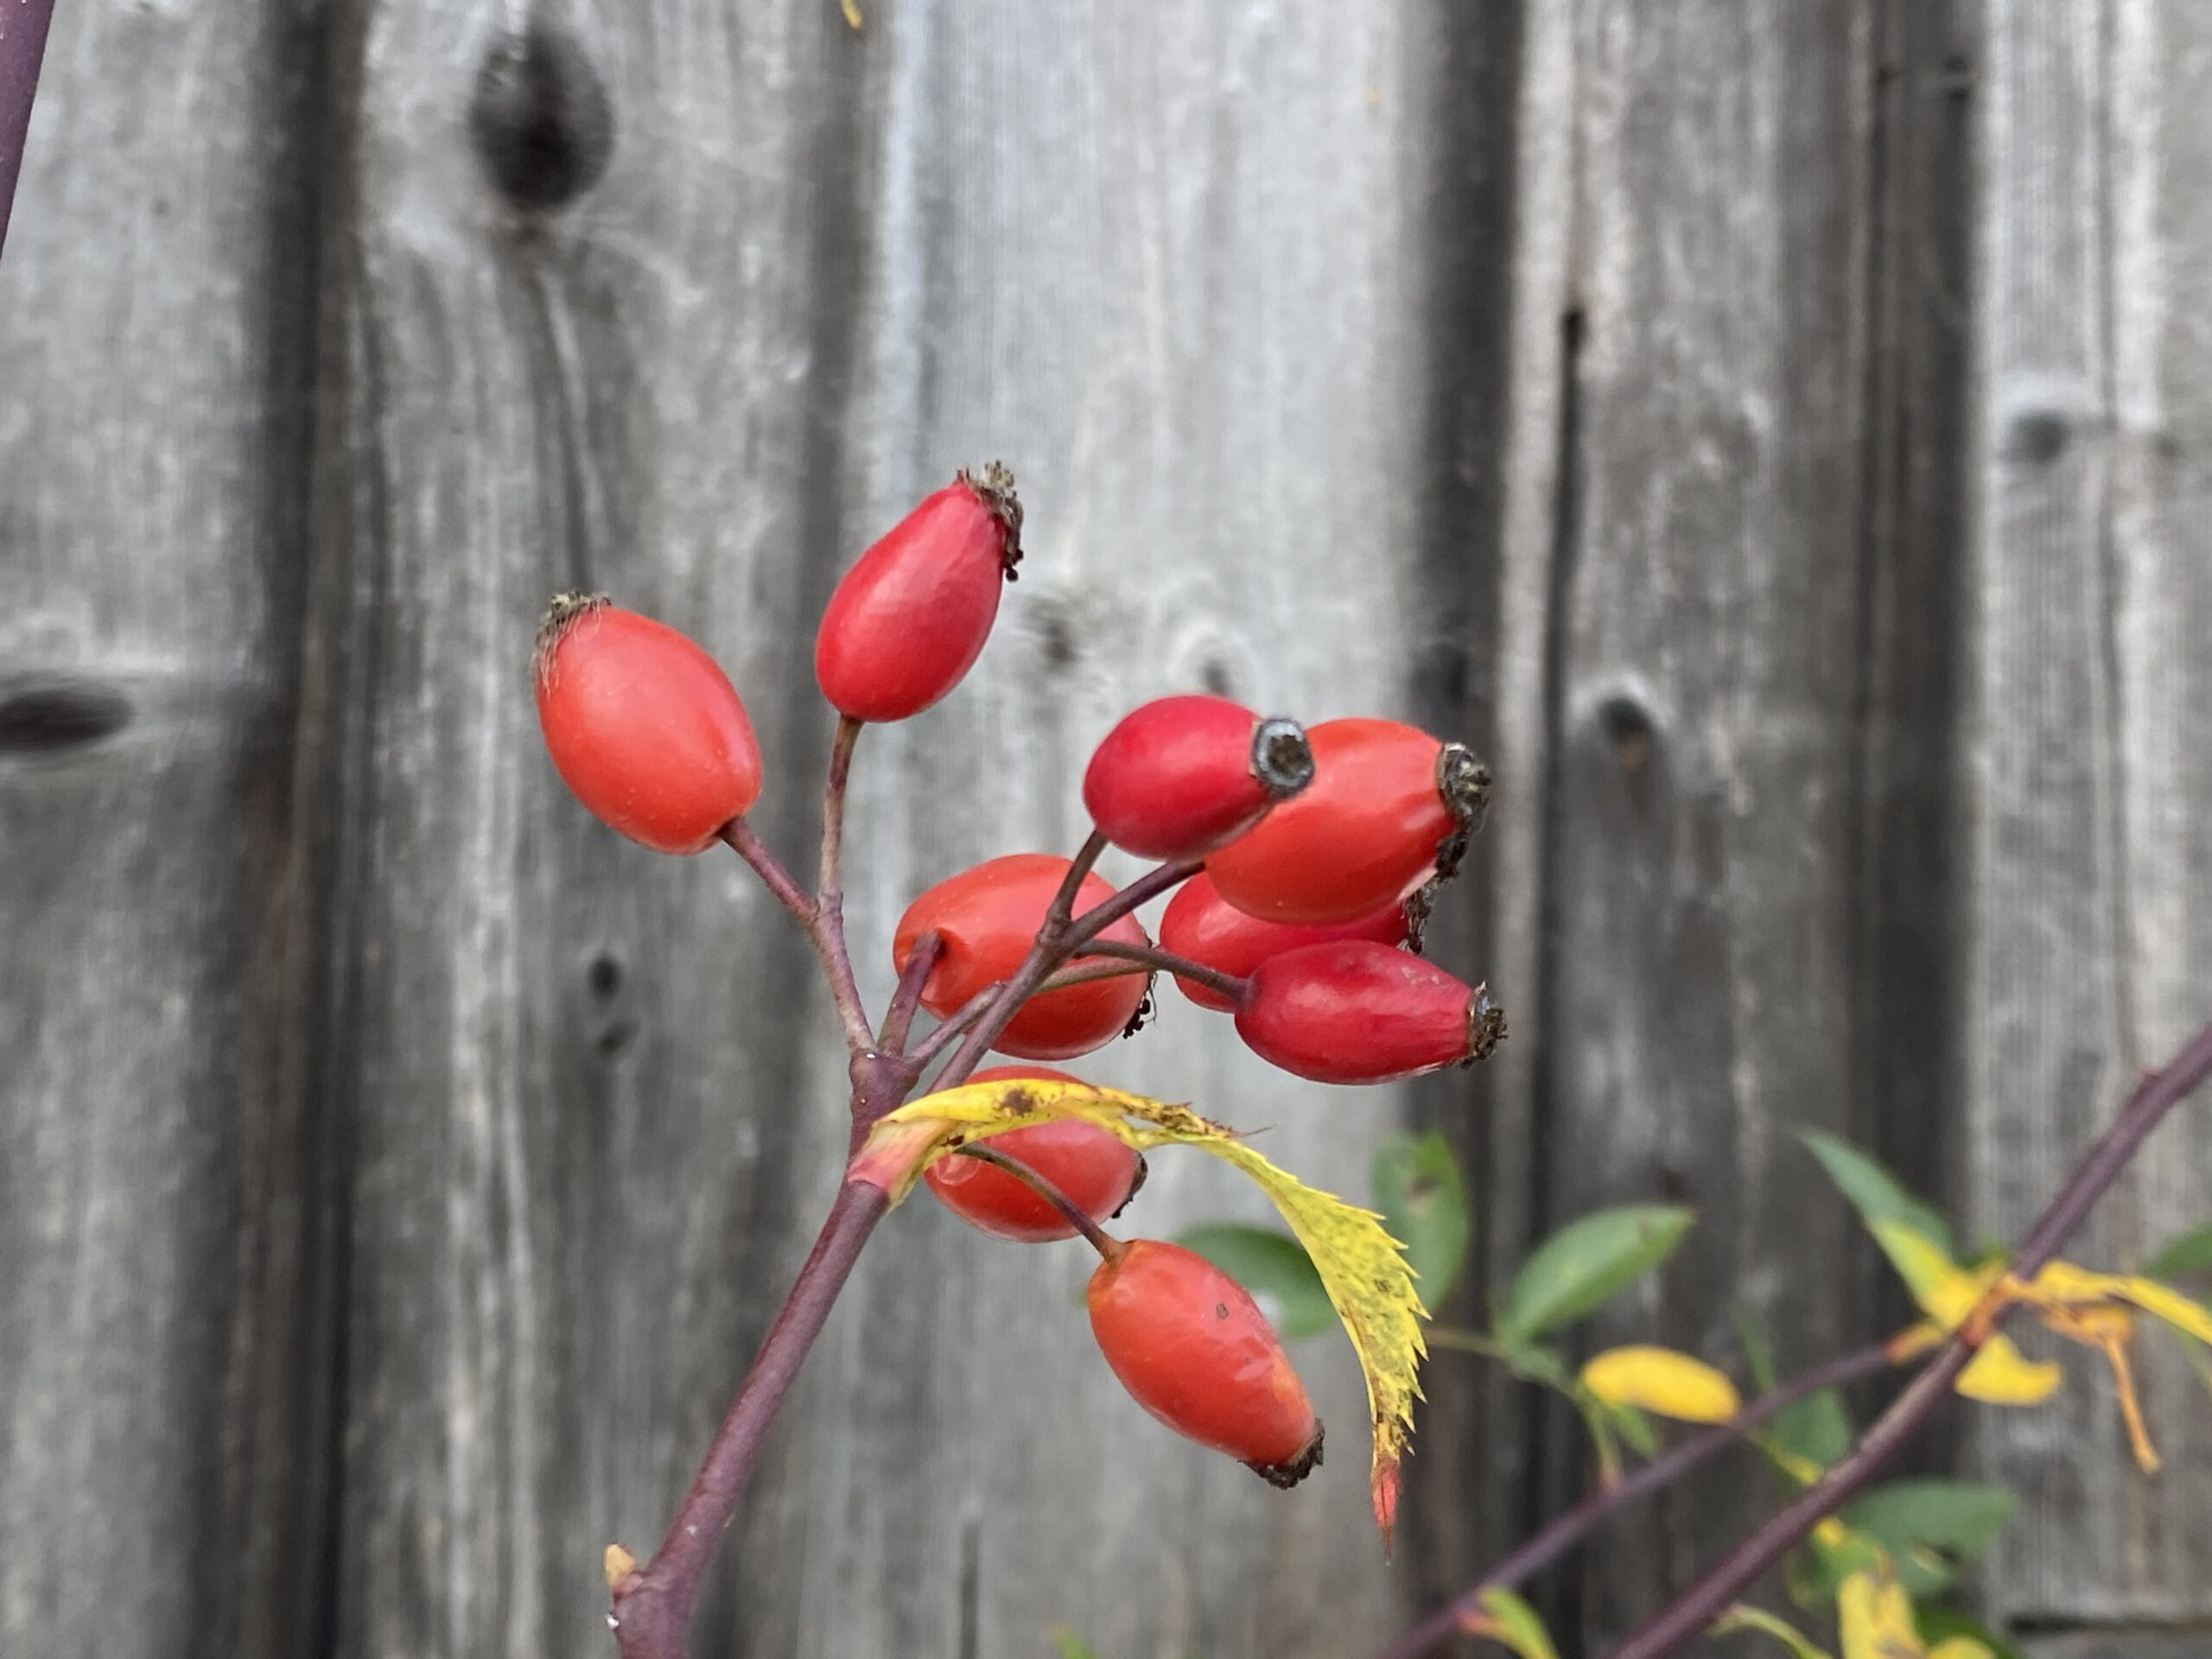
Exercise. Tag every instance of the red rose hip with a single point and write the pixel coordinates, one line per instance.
(987, 917)
(1096, 1173)
(1359, 1012)
(1385, 800)
(1200, 925)
(1194, 1351)
(1179, 777)
(642, 724)
(910, 618)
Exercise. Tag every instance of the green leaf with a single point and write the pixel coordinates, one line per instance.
(1274, 1266)
(1874, 1193)
(1423, 1198)
(1068, 1645)
(1929, 1530)
(1759, 1357)
(1817, 1428)
(1588, 1262)
(1941, 1623)
(1634, 1428)
(1533, 1363)
(1512, 1623)
(2189, 1255)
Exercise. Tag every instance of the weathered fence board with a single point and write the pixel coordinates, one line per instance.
(1769, 432)
(2091, 930)
(153, 1293)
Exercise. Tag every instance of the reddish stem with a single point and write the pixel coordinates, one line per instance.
(1685, 1618)
(1167, 962)
(1567, 1529)
(906, 1001)
(652, 1609)
(828, 938)
(829, 890)
(1105, 1244)
(22, 44)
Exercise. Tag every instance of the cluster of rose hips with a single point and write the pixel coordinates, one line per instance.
(1309, 858)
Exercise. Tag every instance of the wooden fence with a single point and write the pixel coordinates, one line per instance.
(1774, 431)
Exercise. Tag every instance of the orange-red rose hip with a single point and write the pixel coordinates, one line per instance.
(1385, 799)
(1359, 1012)
(910, 618)
(1200, 925)
(1180, 776)
(642, 724)
(1194, 1351)
(1096, 1173)
(987, 917)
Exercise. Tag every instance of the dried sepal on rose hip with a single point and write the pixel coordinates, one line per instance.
(1181, 776)
(642, 724)
(908, 620)
(1357, 1012)
(1096, 1171)
(986, 918)
(1389, 808)
(1194, 1349)
(1201, 926)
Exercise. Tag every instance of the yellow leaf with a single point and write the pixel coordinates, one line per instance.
(1741, 1617)
(1874, 1618)
(1362, 1267)
(1662, 1382)
(1961, 1646)
(851, 9)
(1937, 1283)
(1511, 1623)
(2000, 1375)
(2065, 1283)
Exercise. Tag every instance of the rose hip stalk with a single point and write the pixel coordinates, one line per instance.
(1177, 778)
(1200, 927)
(642, 726)
(1385, 802)
(910, 618)
(1096, 1173)
(1359, 1012)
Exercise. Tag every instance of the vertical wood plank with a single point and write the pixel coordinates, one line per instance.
(156, 1182)
(2091, 934)
(594, 334)
(1707, 674)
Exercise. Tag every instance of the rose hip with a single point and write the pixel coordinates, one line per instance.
(642, 724)
(1180, 776)
(1194, 1351)
(1384, 800)
(1097, 1172)
(987, 917)
(1359, 1012)
(910, 618)
(1202, 926)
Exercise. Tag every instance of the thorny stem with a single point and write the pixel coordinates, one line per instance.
(652, 1609)
(1567, 1529)
(1691, 1612)
(1106, 1244)
(898, 1018)
(22, 43)
(828, 940)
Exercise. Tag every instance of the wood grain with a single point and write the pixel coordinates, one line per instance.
(156, 1378)
(2091, 932)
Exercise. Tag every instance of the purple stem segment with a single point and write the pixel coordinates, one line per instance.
(652, 1609)
(1688, 1617)
(22, 44)
(1567, 1529)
